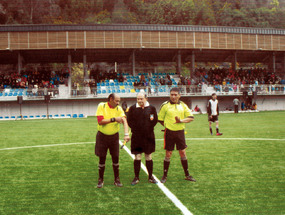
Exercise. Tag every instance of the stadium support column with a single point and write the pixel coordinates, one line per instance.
(274, 62)
(192, 67)
(179, 67)
(283, 64)
(85, 67)
(234, 62)
(20, 63)
(69, 77)
(133, 59)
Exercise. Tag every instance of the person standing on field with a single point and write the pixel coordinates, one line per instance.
(110, 115)
(236, 103)
(213, 113)
(173, 115)
(142, 118)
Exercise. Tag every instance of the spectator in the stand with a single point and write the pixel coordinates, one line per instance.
(121, 78)
(236, 104)
(197, 109)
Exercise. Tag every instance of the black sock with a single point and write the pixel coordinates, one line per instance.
(115, 160)
(149, 166)
(116, 170)
(217, 130)
(101, 166)
(166, 167)
(137, 167)
(184, 163)
(211, 131)
(101, 170)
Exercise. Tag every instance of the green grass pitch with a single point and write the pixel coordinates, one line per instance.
(234, 176)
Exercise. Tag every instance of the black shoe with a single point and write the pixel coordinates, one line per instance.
(117, 182)
(100, 183)
(190, 178)
(135, 181)
(152, 180)
(163, 179)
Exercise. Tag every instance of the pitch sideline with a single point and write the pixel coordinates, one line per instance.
(164, 189)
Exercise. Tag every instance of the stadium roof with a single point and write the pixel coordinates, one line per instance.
(140, 27)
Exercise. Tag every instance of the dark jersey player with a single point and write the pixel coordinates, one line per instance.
(213, 113)
(142, 118)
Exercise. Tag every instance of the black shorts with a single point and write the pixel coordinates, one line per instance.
(172, 138)
(105, 142)
(213, 119)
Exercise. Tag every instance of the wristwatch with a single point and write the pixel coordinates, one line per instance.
(113, 119)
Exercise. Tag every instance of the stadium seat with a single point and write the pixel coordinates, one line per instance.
(38, 116)
(81, 115)
(13, 117)
(44, 116)
(50, 116)
(7, 117)
(31, 117)
(99, 92)
(62, 115)
(1, 94)
(56, 116)
(123, 91)
(74, 115)
(1, 117)
(25, 117)
(103, 91)
(68, 115)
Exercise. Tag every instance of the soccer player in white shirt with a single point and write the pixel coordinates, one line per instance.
(213, 113)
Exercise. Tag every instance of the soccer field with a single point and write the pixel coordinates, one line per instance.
(49, 167)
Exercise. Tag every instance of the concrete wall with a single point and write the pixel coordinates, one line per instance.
(89, 106)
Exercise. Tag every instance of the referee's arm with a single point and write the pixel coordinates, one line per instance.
(185, 120)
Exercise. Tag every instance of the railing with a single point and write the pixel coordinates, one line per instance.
(130, 91)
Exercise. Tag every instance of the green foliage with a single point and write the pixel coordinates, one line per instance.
(243, 13)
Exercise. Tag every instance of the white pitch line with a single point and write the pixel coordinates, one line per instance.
(226, 138)
(164, 189)
(41, 146)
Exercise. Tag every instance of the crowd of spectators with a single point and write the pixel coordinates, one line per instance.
(33, 79)
(241, 76)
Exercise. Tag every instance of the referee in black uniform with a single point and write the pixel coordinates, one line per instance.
(142, 118)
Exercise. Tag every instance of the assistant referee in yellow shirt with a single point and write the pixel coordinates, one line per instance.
(110, 115)
(173, 115)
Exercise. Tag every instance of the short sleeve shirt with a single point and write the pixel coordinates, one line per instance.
(108, 113)
(168, 112)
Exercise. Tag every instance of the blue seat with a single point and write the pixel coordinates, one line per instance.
(62, 115)
(112, 84)
(99, 92)
(1, 117)
(15, 93)
(25, 117)
(7, 117)
(68, 115)
(123, 91)
(118, 91)
(50, 116)
(38, 116)
(104, 91)
(81, 115)
(1, 94)
(31, 117)
(74, 115)
(13, 117)
(44, 116)
(56, 115)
